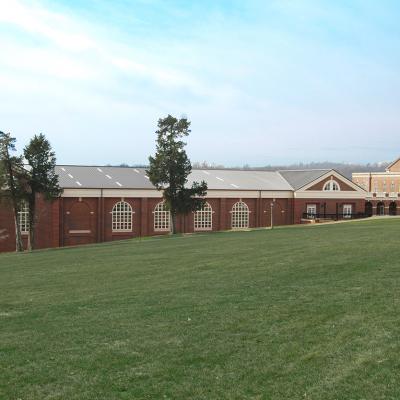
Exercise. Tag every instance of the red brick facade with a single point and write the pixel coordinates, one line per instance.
(85, 215)
(70, 221)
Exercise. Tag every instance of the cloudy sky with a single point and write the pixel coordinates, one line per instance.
(263, 81)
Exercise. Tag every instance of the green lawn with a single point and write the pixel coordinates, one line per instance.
(293, 313)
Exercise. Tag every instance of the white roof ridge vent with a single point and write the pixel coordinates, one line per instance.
(136, 171)
(220, 179)
(108, 176)
(146, 177)
(70, 176)
(99, 169)
(235, 186)
(78, 183)
(118, 183)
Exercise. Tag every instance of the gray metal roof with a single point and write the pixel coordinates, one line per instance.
(87, 177)
(300, 178)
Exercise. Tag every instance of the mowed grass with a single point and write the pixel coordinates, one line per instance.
(293, 313)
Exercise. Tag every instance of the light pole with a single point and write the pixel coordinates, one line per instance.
(272, 213)
(272, 205)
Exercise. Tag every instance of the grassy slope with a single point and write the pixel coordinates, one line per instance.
(294, 313)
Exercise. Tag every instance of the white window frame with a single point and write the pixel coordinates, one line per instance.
(240, 215)
(311, 211)
(203, 218)
(330, 186)
(347, 210)
(122, 217)
(23, 218)
(161, 218)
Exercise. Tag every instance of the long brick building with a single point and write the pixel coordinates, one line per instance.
(111, 203)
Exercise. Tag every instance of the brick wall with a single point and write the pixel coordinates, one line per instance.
(74, 221)
(47, 228)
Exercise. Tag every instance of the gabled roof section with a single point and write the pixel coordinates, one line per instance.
(299, 178)
(98, 177)
(335, 175)
(394, 166)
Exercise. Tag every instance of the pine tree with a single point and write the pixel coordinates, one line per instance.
(42, 178)
(170, 167)
(12, 177)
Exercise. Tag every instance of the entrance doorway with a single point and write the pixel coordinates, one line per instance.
(380, 208)
(393, 208)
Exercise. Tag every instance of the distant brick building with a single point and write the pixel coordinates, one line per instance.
(101, 204)
(383, 189)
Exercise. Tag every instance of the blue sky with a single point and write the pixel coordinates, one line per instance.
(263, 82)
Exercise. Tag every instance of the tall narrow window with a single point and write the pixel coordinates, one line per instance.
(23, 218)
(347, 210)
(162, 218)
(122, 217)
(240, 215)
(311, 211)
(203, 218)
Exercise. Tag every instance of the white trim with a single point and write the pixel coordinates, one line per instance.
(339, 195)
(338, 176)
(240, 214)
(122, 217)
(203, 218)
(376, 174)
(347, 210)
(118, 193)
(23, 218)
(161, 218)
(153, 193)
(331, 184)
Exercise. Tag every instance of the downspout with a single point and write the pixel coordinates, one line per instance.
(101, 216)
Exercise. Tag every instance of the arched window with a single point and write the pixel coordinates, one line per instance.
(23, 218)
(240, 215)
(122, 217)
(162, 218)
(331, 186)
(203, 218)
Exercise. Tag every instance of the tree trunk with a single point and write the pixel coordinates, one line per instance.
(173, 223)
(11, 183)
(19, 246)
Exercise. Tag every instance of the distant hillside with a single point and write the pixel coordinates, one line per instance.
(344, 168)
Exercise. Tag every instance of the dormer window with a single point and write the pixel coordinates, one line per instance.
(331, 186)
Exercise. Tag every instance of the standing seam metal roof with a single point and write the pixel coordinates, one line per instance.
(100, 177)
(299, 178)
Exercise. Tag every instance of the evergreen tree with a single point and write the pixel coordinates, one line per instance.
(42, 178)
(12, 178)
(170, 167)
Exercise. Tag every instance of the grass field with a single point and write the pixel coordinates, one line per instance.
(293, 313)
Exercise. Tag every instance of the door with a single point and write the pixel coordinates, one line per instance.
(80, 224)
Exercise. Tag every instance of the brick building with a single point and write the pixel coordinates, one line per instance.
(110, 203)
(383, 189)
